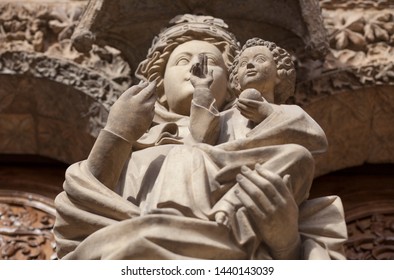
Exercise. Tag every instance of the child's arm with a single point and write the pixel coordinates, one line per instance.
(201, 80)
(204, 123)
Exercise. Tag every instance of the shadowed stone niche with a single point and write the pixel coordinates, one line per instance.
(368, 197)
(130, 25)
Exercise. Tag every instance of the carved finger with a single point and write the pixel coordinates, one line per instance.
(246, 108)
(273, 178)
(247, 114)
(210, 75)
(261, 182)
(148, 92)
(250, 205)
(192, 69)
(133, 90)
(202, 59)
(243, 108)
(256, 195)
(287, 182)
(222, 219)
(249, 102)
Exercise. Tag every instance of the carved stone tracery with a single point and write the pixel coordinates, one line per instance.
(50, 88)
(26, 222)
(36, 29)
(371, 238)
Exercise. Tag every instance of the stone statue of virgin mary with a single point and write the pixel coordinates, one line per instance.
(179, 173)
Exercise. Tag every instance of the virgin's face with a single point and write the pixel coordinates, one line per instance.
(257, 69)
(177, 86)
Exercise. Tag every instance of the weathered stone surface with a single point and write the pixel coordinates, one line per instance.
(361, 50)
(43, 76)
(294, 25)
(176, 153)
(358, 128)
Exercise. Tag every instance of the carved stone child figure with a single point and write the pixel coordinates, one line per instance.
(264, 74)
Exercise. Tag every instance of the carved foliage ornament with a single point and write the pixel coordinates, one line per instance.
(44, 31)
(351, 4)
(371, 238)
(361, 50)
(26, 222)
(41, 66)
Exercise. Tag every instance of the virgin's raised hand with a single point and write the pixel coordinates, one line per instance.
(132, 114)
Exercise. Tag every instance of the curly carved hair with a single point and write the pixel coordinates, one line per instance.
(153, 67)
(285, 69)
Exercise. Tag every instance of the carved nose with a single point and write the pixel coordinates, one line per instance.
(249, 65)
(194, 60)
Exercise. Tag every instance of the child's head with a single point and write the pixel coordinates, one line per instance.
(266, 67)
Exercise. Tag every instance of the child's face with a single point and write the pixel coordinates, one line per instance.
(257, 69)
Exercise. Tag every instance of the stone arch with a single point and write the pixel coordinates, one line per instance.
(50, 107)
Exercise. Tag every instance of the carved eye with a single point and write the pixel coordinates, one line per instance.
(243, 63)
(260, 59)
(182, 61)
(211, 61)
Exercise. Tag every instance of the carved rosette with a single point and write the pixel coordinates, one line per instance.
(361, 36)
(371, 238)
(26, 222)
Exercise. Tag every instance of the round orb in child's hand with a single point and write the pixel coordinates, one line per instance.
(251, 93)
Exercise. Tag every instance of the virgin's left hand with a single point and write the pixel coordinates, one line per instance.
(271, 206)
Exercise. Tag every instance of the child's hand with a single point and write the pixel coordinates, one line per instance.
(221, 218)
(256, 111)
(200, 77)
